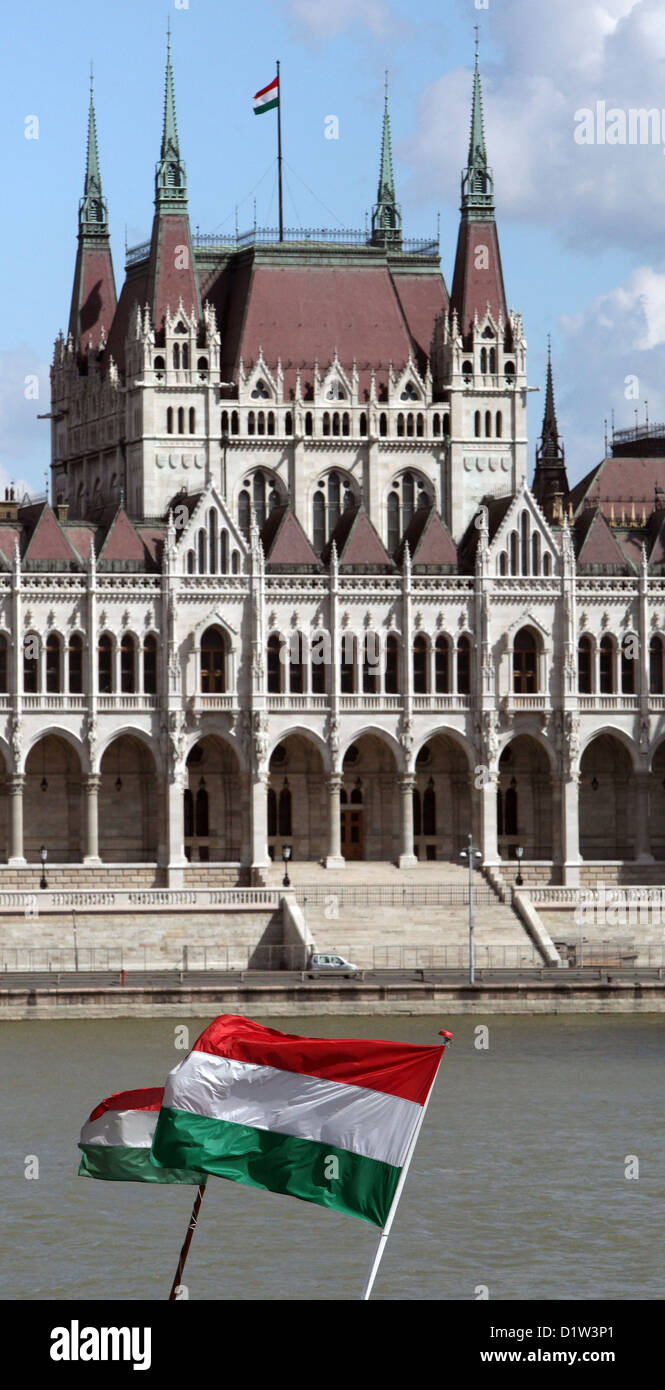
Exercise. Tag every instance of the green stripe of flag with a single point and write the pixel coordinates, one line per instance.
(305, 1168)
(267, 106)
(126, 1164)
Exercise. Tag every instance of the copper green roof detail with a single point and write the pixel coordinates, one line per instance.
(477, 180)
(170, 179)
(386, 215)
(550, 447)
(93, 212)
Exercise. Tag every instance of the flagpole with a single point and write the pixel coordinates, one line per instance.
(187, 1241)
(279, 150)
(383, 1238)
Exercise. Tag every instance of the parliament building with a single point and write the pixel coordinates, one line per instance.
(299, 581)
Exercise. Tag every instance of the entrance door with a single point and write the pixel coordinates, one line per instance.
(352, 834)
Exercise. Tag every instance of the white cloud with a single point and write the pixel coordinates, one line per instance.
(555, 61)
(325, 19)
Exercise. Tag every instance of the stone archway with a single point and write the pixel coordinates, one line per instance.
(52, 803)
(607, 806)
(524, 800)
(297, 805)
(369, 809)
(216, 807)
(441, 800)
(129, 803)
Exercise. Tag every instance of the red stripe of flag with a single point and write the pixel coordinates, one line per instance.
(397, 1069)
(149, 1098)
(266, 89)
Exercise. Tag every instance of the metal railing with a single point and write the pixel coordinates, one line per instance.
(394, 895)
(269, 236)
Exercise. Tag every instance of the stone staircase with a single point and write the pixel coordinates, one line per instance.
(377, 915)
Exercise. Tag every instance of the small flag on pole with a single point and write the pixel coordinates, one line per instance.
(268, 98)
(115, 1142)
(328, 1120)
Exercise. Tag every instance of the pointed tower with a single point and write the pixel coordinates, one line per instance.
(93, 295)
(550, 482)
(478, 277)
(171, 272)
(386, 216)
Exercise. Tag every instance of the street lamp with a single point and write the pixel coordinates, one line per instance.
(471, 854)
(286, 855)
(43, 854)
(519, 880)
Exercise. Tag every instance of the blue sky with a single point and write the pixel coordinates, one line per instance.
(581, 229)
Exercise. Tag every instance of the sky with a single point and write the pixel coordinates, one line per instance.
(581, 219)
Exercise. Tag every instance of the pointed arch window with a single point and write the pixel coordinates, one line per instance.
(400, 425)
(75, 664)
(235, 422)
(363, 422)
(150, 664)
(181, 419)
(261, 422)
(348, 664)
(383, 424)
(169, 420)
(392, 665)
(243, 512)
(483, 360)
(525, 662)
(259, 499)
(436, 425)
(202, 551)
(192, 420)
(213, 663)
(225, 422)
(420, 665)
(524, 528)
(185, 356)
(476, 424)
(629, 649)
(499, 424)
(251, 422)
(176, 355)
(224, 551)
(535, 553)
(393, 522)
(488, 424)
(606, 666)
(53, 678)
(492, 361)
(127, 665)
(656, 681)
(584, 666)
(319, 520)
(371, 660)
(288, 423)
(309, 424)
(274, 665)
(297, 668)
(105, 664)
(464, 666)
(442, 666)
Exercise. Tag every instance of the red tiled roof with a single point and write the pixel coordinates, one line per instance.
(153, 538)
(357, 542)
(423, 298)
(621, 483)
(81, 537)
(600, 546)
(171, 274)
(122, 540)
(474, 286)
(8, 536)
(93, 297)
(286, 543)
(48, 540)
(133, 292)
(436, 545)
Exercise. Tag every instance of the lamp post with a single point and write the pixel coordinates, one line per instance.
(43, 855)
(519, 880)
(470, 854)
(286, 855)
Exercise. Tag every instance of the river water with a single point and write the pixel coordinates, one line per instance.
(518, 1183)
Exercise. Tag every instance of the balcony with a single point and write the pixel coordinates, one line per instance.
(385, 703)
(600, 704)
(526, 704)
(60, 702)
(287, 703)
(422, 703)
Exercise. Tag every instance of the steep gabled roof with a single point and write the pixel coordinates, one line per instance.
(358, 544)
(285, 543)
(430, 543)
(620, 485)
(122, 545)
(599, 550)
(48, 543)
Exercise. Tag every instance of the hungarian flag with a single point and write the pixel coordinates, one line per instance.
(267, 99)
(115, 1142)
(328, 1120)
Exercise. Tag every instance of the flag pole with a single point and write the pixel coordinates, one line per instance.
(383, 1238)
(279, 150)
(187, 1241)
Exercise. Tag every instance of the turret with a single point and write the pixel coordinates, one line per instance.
(478, 277)
(171, 271)
(550, 483)
(93, 295)
(386, 216)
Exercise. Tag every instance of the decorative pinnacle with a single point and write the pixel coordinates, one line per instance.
(170, 179)
(92, 208)
(386, 217)
(477, 181)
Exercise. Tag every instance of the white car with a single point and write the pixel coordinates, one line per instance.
(325, 962)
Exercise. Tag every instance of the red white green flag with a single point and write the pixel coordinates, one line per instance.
(267, 99)
(327, 1120)
(115, 1142)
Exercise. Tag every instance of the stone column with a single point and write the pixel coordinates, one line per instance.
(488, 827)
(570, 836)
(334, 858)
(642, 835)
(176, 832)
(15, 784)
(259, 809)
(407, 858)
(92, 784)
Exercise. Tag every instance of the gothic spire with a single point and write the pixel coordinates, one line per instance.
(477, 180)
(170, 179)
(93, 213)
(386, 215)
(550, 483)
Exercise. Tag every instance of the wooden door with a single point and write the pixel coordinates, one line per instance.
(352, 834)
